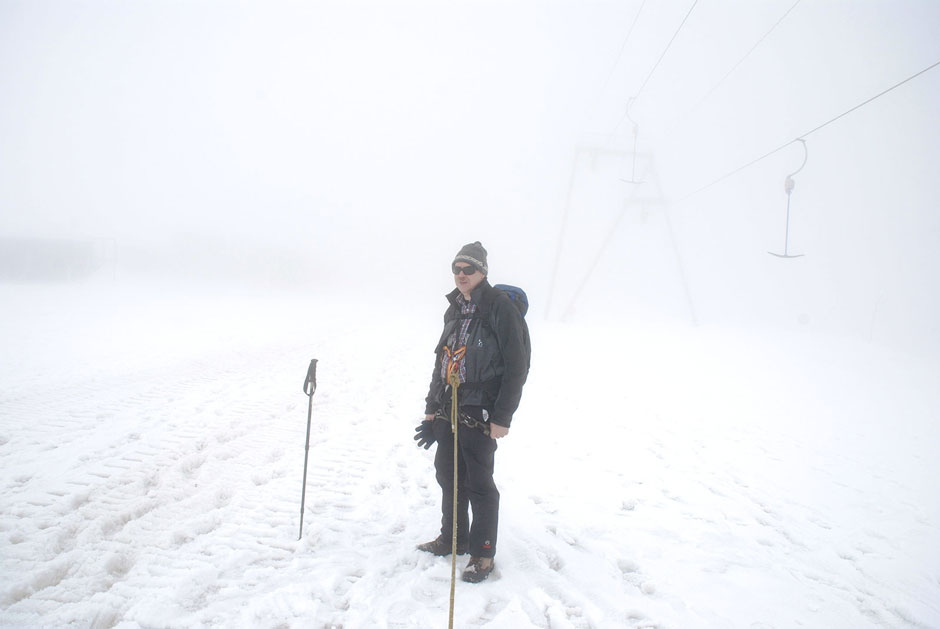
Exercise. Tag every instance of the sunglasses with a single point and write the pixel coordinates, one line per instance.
(466, 270)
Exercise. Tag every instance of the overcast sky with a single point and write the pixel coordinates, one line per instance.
(338, 135)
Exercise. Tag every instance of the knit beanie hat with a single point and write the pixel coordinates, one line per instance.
(475, 254)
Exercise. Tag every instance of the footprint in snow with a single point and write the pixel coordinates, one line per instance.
(190, 464)
(119, 564)
(563, 536)
(551, 559)
(401, 615)
(380, 487)
(635, 615)
(547, 507)
(223, 497)
(627, 567)
(494, 607)
(225, 454)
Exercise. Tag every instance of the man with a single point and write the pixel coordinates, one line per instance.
(492, 370)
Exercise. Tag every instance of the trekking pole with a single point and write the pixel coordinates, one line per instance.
(310, 387)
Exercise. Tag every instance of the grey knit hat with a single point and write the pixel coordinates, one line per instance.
(474, 254)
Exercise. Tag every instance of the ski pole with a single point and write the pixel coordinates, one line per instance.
(310, 387)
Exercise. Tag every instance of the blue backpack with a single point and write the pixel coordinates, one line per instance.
(517, 295)
(519, 299)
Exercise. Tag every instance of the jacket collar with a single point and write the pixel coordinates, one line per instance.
(479, 295)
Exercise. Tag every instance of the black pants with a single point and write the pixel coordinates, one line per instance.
(475, 486)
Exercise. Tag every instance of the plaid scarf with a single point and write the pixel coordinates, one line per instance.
(459, 339)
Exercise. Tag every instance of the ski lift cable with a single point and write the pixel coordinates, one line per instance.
(744, 58)
(656, 65)
(879, 95)
(808, 133)
(623, 47)
(662, 56)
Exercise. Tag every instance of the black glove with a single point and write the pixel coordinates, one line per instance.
(425, 435)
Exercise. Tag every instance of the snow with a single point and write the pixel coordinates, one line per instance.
(152, 445)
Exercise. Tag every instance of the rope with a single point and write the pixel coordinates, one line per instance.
(453, 377)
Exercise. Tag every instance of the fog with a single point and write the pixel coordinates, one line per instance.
(334, 146)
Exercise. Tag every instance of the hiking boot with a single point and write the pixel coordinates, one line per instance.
(478, 569)
(442, 547)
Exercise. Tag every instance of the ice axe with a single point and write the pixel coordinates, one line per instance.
(310, 387)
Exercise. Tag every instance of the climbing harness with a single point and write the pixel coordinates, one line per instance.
(788, 186)
(453, 378)
(469, 422)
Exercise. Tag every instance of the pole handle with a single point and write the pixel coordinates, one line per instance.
(310, 384)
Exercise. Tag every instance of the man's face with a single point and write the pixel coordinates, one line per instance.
(466, 283)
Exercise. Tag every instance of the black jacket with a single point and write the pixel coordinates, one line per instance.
(497, 360)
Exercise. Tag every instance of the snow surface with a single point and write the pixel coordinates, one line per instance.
(152, 445)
